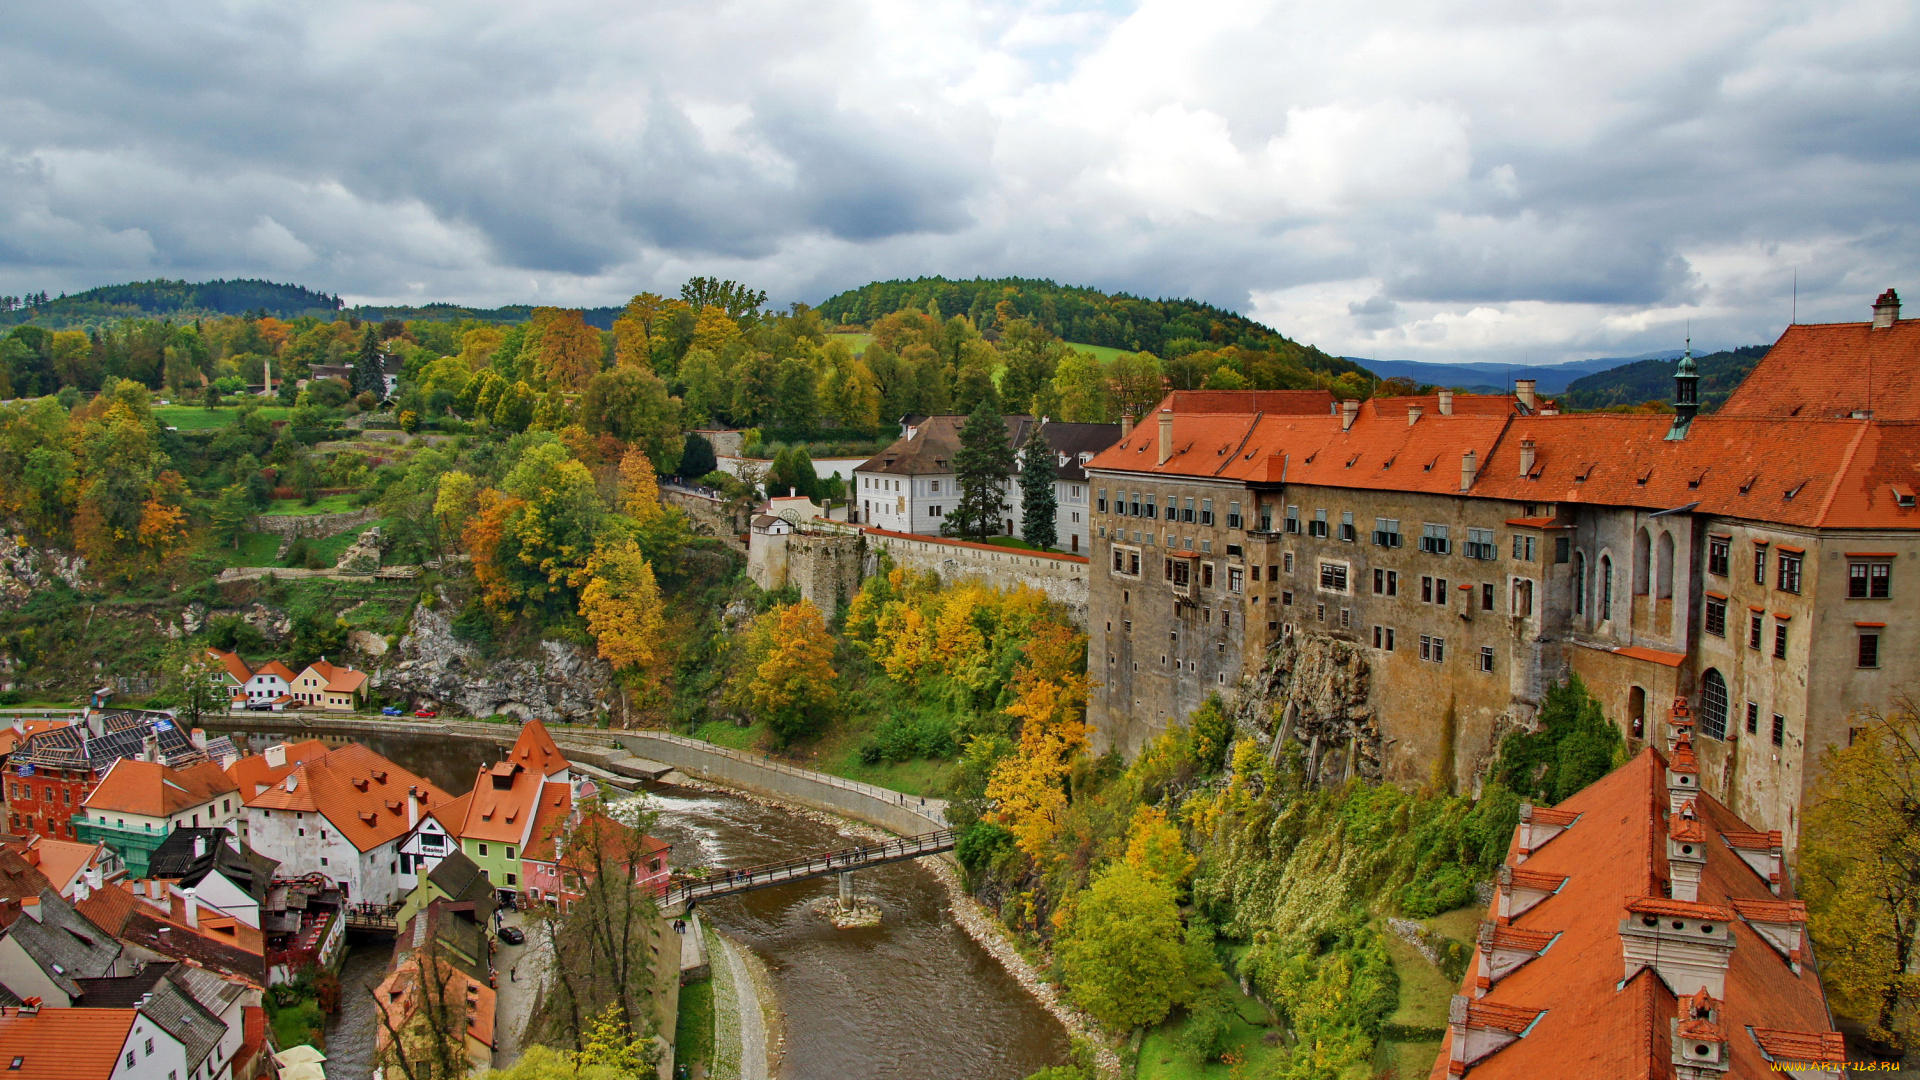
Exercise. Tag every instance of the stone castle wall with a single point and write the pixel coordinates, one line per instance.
(1062, 577)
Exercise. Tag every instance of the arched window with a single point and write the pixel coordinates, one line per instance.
(1642, 552)
(1637, 712)
(1663, 567)
(1713, 705)
(1579, 583)
(1606, 588)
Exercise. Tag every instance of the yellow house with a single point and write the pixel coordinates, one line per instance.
(328, 686)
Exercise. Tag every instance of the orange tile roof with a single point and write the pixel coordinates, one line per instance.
(337, 678)
(502, 814)
(1824, 1046)
(150, 789)
(252, 772)
(234, 666)
(452, 814)
(1593, 1024)
(1775, 911)
(63, 1044)
(1395, 408)
(275, 667)
(550, 819)
(1655, 656)
(1832, 369)
(1278, 402)
(61, 861)
(330, 785)
(536, 750)
(398, 997)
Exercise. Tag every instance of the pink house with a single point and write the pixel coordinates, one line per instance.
(550, 877)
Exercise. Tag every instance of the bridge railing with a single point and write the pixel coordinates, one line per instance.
(933, 809)
(741, 879)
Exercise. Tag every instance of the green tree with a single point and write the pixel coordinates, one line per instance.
(981, 467)
(1121, 950)
(797, 405)
(369, 366)
(1860, 872)
(1572, 746)
(1080, 385)
(631, 404)
(231, 512)
(1039, 509)
(696, 457)
(194, 684)
(784, 671)
(514, 410)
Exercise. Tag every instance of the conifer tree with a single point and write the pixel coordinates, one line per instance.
(369, 368)
(1038, 508)
(982, 466)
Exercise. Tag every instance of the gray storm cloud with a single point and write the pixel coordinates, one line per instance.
(1451, 181)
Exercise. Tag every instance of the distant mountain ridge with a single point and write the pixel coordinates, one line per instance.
(161, 297)
(1498, 378)
(1652, 380)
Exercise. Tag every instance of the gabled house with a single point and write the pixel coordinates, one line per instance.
(206, 1012)
(138, 803)
(343, 816)
(270, 686)
(328, 686)
(468, 1002)
(88, 1044)
(51, 772)
(70, 867)
(506, 800)
(210, 867)
(435, 837)
(51, 946)
(157, 924)
(454, 878)
(230, 673)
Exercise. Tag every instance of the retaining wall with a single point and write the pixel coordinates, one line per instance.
(1062, 577)
(288, 526)
(708, 516)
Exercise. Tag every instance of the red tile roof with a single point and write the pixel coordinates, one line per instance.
(1278, 402)
(338, 678)
(235, 667)
(536, 750)
(275, 667)
(550, 821)
(1593, 1024)
(1833, 369)
(502, 814)
(331, 785)
(150, 789)
(63, 1044)
(1826, 1046)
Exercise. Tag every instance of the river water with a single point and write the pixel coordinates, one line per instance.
(912, 998)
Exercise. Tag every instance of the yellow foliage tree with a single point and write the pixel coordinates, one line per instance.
(1155, 849)
(713, 330)
(785, 672)
(570, 352)
(454, 501)
(621, 603)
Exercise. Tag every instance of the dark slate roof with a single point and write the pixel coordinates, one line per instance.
(238, 863)
(65, 944)
(207, 988)
(123, 734)
(133, 922)
(458, 939)
(221, 747)
(125, 991)
(460, 878)
(175, 1010)
(1069, 439)
(18, 879)
(935, 440)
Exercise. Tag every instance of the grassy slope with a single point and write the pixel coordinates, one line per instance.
(200, 418)
(693, 1032)
(1161, 1057)
(325, 504)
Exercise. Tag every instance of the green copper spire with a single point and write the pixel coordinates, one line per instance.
(1686, 393)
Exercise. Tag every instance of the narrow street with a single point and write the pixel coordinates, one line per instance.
(523, 971)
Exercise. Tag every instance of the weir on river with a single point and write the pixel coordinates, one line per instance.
(914, 997)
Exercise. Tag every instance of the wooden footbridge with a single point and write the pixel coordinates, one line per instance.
(721, 882)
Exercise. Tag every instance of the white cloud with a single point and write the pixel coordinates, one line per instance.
(1453, 180)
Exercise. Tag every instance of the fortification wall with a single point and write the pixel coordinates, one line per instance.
(1062, 577)
(708, 516)
(826, 567)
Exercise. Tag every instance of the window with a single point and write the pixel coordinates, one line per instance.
(1779, 639)
(1347, 532)
(513, 879)
(1753, 718)
(1606, 588)
(1133, 505)
(1320, 612)
(1522, 597)
(509, 851)
(1869, 581)
(1153, 508)
(1206, 511)
(1580, 583)
(1789, 578)
(1562, 549)
(1234, 580)
(1523, 547)
(1717, 554)
(1233, 515)
(1101, 502)
(1433, 590)
(1346, 618)
(1870, 650)
(1383, 638)
(1286, 560)
(1206, 575)
(483, 849)
(1318, 526)
(1186, 510)
(1753, 631)
(935, 511)
(1486, 658)
(1480, 544)
(1293, 519)
(1386, 532)
(1716, 617)
(933, 488)
(1386, 583)
(1760, 564)
(1333, 577)
(1433, 649)
(1180, 572)
(1286, 598)
(1713, 705)
(1433, 540)
(1779, 730)
(1266, 519)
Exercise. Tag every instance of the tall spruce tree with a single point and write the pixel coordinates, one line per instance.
(982, 466)
(369, 366)
(1038, 509)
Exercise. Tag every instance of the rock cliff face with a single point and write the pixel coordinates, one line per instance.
(24, 570)
(431, 665)
(1313, 690)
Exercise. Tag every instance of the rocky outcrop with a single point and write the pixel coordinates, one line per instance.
(1312, 690)
(25, 569)
(364, 556)
(430, 665)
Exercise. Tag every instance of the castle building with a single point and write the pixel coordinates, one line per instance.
(1401, 579)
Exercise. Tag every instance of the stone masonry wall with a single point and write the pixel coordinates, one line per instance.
(1062, 577)
(288, 526)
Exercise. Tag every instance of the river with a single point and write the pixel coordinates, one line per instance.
(912, 998)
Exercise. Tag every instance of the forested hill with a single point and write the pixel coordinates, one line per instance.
(1166, 328)
(1652, 380)
(166, 298)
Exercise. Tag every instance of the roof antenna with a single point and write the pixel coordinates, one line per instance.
(1795, 319)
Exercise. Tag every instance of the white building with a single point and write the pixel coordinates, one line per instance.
(89, 1044)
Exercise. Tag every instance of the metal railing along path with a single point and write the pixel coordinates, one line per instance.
(729, 882)
(934, 810)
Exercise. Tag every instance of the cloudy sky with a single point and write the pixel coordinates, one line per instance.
(1413, 179)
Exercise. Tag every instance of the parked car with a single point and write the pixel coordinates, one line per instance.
(259, 706)
(427, 713)
(391, 710)
(512, 935)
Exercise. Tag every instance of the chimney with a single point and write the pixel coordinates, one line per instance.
(199, 847)
(1414, 412)
(1166, 435)
(1886, 310)
(1126, 426)
(192, 906)
(413, 806)
(1526, 457)
(1685, 943)
(199, 737)
(1683, 777)
(275, 755)
(150, 748)
(1469, 468)
(153, 888)
(1523, 389)
(1446, 403)
(1686, 854)
(1348, 410)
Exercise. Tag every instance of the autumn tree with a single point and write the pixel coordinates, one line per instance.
(1029, 789)
(632, 405)
(784, 672)
(621, 604)
(1860, 872)
(1136, 383)
(570, 352)
(981, 467)
(661, 531)
(1120, 950)
(1038, 506)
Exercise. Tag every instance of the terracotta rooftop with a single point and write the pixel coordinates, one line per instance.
(153, 790)
(232, 664)
(331, 785)
(1594, 1024)
(1834, 369)
(550, 821)
(64, 1044)
(1278, 402)
(503, 814)
(252, 773)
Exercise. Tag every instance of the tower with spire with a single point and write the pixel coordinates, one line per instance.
(1686, 394)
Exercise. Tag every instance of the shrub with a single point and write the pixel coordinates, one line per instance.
(1209, 1022)
(983, 842)
(903, 738)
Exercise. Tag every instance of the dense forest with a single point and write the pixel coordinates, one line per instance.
(1652, 381)
(160, 297)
